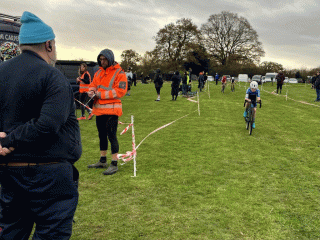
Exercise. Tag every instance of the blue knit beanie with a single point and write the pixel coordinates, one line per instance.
(34, 30)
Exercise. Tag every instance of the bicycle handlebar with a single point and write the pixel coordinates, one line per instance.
(244, 104)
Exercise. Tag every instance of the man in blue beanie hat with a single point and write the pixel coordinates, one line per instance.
(39, 140)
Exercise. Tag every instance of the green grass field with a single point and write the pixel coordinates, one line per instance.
(205, 177)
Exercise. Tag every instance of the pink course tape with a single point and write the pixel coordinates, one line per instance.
(129, 155)
(303, 102)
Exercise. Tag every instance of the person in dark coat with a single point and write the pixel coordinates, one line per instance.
(158, 82)
(201, 81)
(313, 80)
(280, 78)
(317, 86)
(134, 78)
(175, 85)
(185, 84)
(39, 140)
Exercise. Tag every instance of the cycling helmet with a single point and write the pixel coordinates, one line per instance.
(254, 85)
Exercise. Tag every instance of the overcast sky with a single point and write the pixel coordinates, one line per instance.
(288, 29)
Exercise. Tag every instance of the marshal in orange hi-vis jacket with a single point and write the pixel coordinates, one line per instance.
(84, 87)
(109, 85)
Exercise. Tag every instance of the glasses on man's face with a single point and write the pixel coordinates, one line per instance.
(102, 59)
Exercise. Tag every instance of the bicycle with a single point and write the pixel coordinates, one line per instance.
(223, 87)
(232, 87)
(249, 117)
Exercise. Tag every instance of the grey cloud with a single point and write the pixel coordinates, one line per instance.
(287, 26)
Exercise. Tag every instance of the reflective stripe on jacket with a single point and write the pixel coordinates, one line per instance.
(84, 87)
(110, 85)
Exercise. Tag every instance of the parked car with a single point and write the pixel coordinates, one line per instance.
(243, 77)
(270, 77)
(210, 78)
(293, 80)
(257, 78)
(286, 79)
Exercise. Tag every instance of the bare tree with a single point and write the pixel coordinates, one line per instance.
(130, 58)
(270, 67)
(174, 41)
(229, 37)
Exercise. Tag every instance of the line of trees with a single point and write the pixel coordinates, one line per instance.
(226, 44)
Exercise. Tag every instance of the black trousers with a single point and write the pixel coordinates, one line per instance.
(158, 90)
(84, 99)
(279, 86)
(46, 195)
(107, 127)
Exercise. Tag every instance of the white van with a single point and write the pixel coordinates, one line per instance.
(269, 77)
(243, 77)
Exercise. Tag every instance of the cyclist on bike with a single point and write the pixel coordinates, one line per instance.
(223, 82)
(252, 95)
(232, 84)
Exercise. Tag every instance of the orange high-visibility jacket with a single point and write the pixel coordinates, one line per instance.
(110, 85)
(84, 87)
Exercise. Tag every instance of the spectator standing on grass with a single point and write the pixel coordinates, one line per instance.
(158, 82)
(175, 85)
(217, 78)
(201, 81)
(205, 76)
(190, 74)
(185, 84)
(39, 140)
(129, 79)
(314, 79)
(109, 85)
(134, 78)
(280, 78)
(317, 87)
(84, 81)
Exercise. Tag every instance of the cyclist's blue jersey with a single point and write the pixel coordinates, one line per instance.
(252, 95)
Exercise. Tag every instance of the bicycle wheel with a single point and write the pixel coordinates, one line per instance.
(250, 128)
(248, 118)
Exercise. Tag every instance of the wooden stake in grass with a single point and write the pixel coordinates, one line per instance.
(134, 148)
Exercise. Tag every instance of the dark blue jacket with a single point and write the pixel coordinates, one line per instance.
(37, 112)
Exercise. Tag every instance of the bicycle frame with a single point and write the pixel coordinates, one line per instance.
(249, 117)
(223, 87)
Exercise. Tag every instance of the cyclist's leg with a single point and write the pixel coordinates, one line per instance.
(254, 111)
